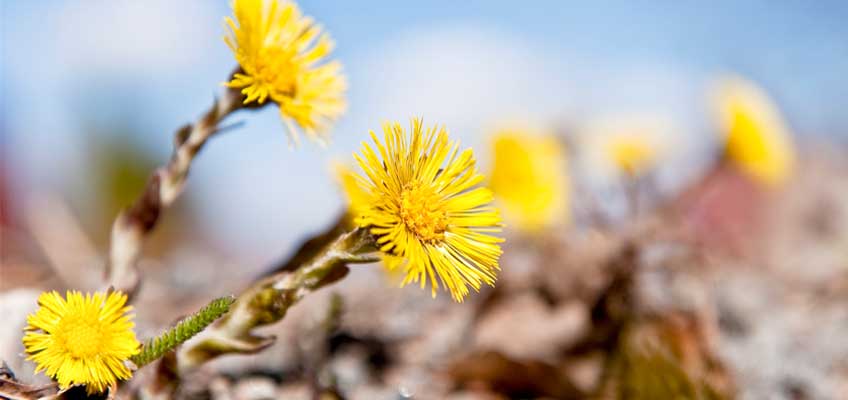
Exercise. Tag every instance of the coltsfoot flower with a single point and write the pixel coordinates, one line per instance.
(629, 145)
(82, 339)
(757, 140)
(529, 178)
(282, 57)
(631, 155)
(422, 201)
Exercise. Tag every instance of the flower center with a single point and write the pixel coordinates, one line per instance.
(277, 68)
(80, 337)
(422, 213)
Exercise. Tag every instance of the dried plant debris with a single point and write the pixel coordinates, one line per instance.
(494, 372)
(664, 358)
(11, 389)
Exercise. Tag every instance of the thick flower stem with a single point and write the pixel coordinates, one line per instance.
(133, 225)
(267, 300)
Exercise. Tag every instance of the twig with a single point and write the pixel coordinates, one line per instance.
(11, 389)
(133, 225)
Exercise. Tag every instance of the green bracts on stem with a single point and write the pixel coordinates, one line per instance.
(157, 347)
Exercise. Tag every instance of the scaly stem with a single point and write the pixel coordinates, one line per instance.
(133, 225)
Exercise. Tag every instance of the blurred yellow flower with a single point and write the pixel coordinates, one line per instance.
(756, 138)
(280, 53)
(631, 154)
(422, 202)
(82, 339)
(529, 179)
(631, 145)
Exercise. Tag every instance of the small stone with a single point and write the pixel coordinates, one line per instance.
(586, 372)
(255, 388)
(294, 391)
(14, 307)
(525, 327)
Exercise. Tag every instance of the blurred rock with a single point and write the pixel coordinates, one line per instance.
(524, 379)
(15, 305)
(585, 372)
(525, 326)
(255, 388)
(664, 358)
(294, 391)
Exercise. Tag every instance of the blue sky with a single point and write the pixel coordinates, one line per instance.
(469, 65)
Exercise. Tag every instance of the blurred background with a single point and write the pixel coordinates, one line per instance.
(93, 91)
(76, 75)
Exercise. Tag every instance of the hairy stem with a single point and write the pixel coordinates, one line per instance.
(184, 330)
(133, 225)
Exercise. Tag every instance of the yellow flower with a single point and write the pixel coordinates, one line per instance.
(630, 144)
(756, 138)
(280, 53)
(82, 340)
(529, 178)
(631, 154)
(423, 204)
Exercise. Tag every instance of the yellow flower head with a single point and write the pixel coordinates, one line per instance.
(757, 140)
(82, 339)
(529, 178)
(629, 144)
(280, 53)
(425, 206)
(631, 154)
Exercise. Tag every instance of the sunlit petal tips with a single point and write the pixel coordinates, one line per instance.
(82, 339)
(282, 55)
(425, 206)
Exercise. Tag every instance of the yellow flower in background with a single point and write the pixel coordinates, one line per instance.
(529, 179)
(82, 339)
(632, 154)
(756, 138)
(630, 145)
(423, 204)
(281, 55)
